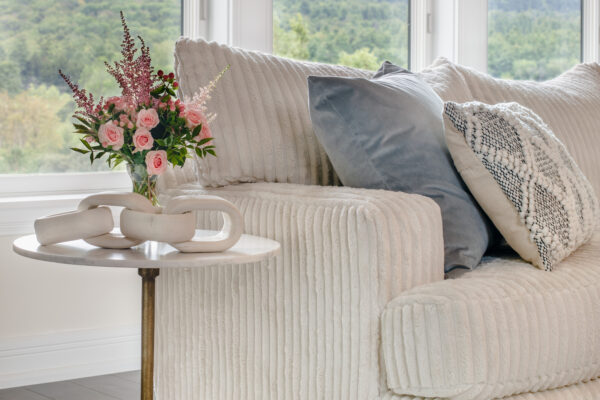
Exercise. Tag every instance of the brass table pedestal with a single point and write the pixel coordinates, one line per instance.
(148, 300)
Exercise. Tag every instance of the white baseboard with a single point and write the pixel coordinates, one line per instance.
(68, 355)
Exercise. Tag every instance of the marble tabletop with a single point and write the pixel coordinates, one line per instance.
(147, 255)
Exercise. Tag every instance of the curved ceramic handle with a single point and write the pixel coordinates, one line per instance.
(230, 233)
(129, 200)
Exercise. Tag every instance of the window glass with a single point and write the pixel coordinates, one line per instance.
(357, 33)
(533, 39)
(37, 37)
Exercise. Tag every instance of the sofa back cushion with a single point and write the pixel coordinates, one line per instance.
(263, 130)
(569, 104)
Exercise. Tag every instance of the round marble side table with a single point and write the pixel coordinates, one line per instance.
(148, 258)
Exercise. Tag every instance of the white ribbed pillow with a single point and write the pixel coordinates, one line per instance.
(263, 130)
(569, 104)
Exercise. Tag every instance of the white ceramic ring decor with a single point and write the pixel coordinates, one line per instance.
(133, 201)
(158, 227)
(129, 200)
(73, 225)
(233, 224)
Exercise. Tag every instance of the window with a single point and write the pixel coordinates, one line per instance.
(38, 38)
(357, 33)
(536, 39)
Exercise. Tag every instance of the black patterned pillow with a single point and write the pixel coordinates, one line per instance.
(523, 178)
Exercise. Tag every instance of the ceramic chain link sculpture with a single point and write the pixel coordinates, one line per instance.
(141, 221)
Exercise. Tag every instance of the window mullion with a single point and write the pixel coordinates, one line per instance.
(590, 31)
(470, 24)
(195, 18)
(420, 34)
(459, 31)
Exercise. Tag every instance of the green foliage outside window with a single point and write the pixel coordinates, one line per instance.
(37, 37)
(533, 39)
(528, 39)
(358, 33)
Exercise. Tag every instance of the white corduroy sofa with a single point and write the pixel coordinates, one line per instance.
(356, 306)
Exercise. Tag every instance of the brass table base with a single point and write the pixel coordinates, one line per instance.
(148, 288)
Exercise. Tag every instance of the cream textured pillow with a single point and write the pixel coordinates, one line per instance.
(569, 104)
(523, 178)
(263, 130)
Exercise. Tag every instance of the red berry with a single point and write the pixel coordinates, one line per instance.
(175, 85)
(160, 72)
(171, 75)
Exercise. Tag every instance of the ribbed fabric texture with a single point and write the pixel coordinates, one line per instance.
(263, 130)
(306, 324)
(581, 391)
(569, 104)
(502, 329)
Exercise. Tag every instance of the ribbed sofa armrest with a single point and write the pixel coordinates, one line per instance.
(398, 233)
(307, 321)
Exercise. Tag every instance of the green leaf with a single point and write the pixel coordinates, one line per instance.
(119, 161)
(211, 151)
(82, 120)
(92, 157)
(86, 144)
(204, 141)
(197, 130)
(157, 91)
(82, 151)
(99, 155)
(81, 127)
(170, 91)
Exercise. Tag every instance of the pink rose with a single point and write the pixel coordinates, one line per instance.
(156, 162)
(142, 139)
(110, 134)
(147, 118)
(117, 101)
(194, 116)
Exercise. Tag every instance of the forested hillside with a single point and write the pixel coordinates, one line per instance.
(37, 37)
(528, 39)
(533, 39)
(357, 32)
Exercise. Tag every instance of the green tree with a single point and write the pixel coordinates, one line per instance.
(361, 58)
(292, 43)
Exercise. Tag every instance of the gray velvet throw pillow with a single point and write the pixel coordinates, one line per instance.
(388, 133)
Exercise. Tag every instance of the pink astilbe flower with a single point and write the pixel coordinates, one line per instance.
(83, 101)
(134, 75)
(200, 98)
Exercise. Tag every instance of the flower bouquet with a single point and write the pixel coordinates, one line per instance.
(146, 127)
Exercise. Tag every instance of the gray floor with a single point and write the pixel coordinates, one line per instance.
(125, 386)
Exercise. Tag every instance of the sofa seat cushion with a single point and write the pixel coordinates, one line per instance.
(502, 329)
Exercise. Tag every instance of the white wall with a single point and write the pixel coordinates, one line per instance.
(62, 321)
